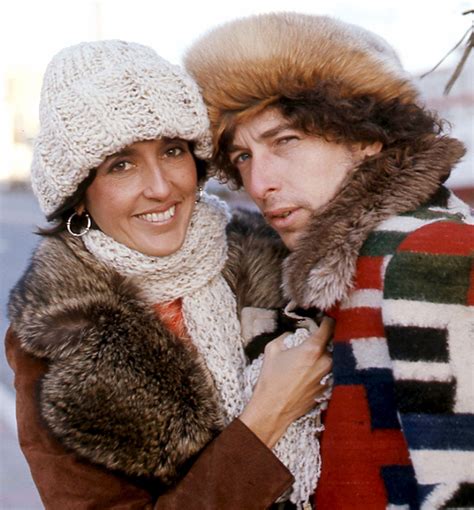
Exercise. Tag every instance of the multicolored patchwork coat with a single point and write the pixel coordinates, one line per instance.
(392, 259)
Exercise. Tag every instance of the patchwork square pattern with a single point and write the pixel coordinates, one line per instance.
(400, 425)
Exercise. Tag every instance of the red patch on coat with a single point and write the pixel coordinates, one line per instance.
(353, 454)
(361, 322)
(368, 273)
(441, 238)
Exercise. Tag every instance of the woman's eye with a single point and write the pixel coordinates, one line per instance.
(174, 152)
(120, 166)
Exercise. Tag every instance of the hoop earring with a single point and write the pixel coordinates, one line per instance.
(84, 230)
(199, 193)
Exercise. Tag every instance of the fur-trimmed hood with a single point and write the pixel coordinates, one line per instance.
(319, 272)
(121, 391)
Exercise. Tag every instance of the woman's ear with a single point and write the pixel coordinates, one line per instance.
(80, 208)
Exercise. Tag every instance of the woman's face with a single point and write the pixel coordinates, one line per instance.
(144, 195)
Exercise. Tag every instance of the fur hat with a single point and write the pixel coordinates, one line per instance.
(261, 58)
(99, 97)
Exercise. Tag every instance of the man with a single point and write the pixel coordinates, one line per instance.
(326, 132)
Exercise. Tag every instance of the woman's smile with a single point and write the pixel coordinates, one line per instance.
(144, 196)
(159, 217)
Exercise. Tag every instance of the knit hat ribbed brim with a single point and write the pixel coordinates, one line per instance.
(99, 97)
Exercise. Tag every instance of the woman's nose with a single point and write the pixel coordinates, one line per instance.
(156, 184)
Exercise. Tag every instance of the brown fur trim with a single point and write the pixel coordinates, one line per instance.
(320, 270)
(254, 260)
(121, 391)
(253, 59)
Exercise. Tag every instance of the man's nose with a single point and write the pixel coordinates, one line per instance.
(263, 177)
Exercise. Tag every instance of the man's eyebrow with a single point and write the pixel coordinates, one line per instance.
(234, 148)
(269, 133)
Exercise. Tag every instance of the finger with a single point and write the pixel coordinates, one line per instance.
(327, 327)
(324, 333)
(326, 379)
(325, 364)
(277, 343)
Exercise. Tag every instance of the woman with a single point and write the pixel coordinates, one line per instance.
(126, 322)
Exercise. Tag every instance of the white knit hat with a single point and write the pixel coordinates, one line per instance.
(99, 97)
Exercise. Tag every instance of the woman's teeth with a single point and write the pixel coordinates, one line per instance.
(159, 217)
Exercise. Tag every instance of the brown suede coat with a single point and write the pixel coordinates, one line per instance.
(59, 344)
(235, 471)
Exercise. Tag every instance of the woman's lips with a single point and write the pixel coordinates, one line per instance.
(159, 216)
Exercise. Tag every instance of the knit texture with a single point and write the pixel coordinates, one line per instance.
(403, 380)
(99, 97)
(193, 274)
(299, 437)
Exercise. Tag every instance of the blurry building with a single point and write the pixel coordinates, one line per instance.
(458, 109)
(19, 99)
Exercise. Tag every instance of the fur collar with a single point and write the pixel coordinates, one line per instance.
(109, 356)
(121, 391)
(320, 270)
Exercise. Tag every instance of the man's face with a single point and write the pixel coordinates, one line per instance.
(288, 173)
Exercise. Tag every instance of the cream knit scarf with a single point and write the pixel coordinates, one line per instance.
(193, 273)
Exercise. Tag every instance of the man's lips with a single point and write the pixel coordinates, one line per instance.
(282, 218)
(281, 212)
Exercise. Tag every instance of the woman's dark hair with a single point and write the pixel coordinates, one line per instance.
(324, 113)
(61, 215)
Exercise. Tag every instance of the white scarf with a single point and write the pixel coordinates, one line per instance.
(193, 273)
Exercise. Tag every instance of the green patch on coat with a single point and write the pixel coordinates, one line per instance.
(426, 277)
(380, 243)
(427, 214)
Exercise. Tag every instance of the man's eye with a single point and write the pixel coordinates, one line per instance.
(285, 139)
(240, 158)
